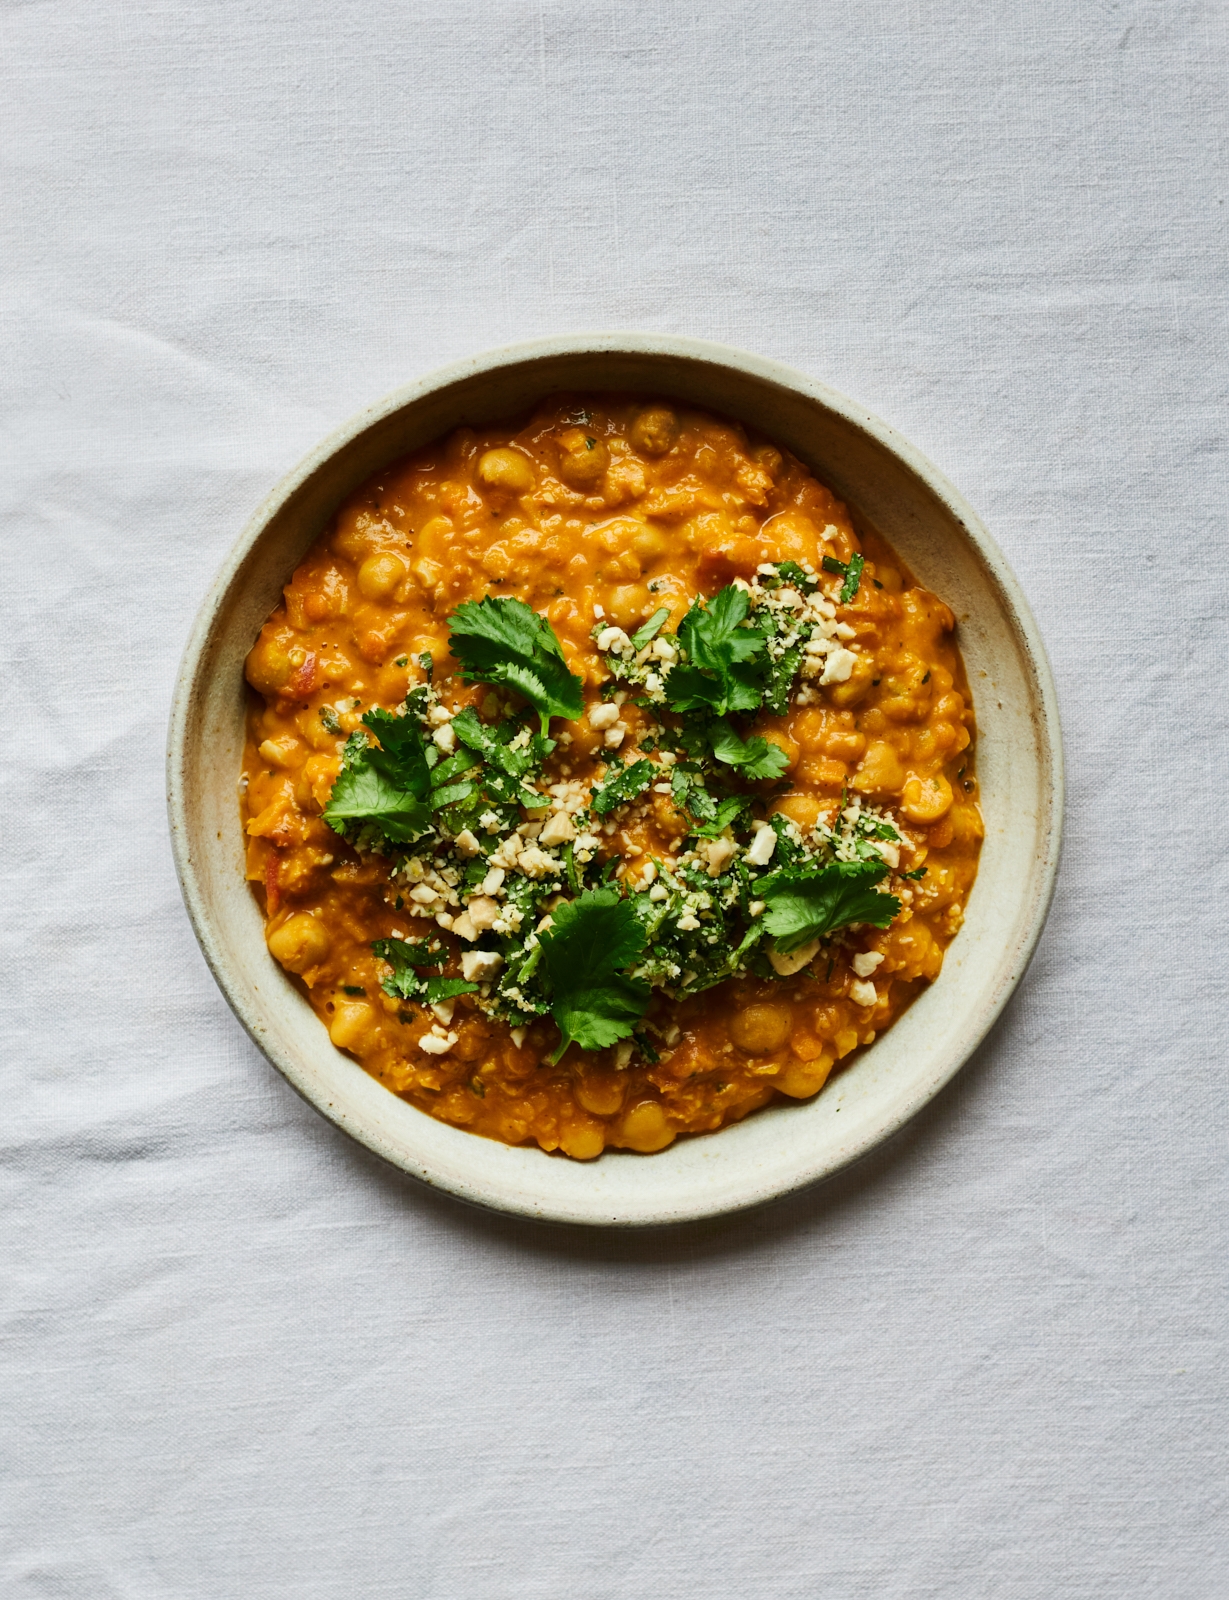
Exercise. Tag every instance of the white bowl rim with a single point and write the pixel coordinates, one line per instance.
(614, 342)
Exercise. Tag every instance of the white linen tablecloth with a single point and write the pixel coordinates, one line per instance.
(241, 1358)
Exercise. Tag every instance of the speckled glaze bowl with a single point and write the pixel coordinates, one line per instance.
(1019, 760)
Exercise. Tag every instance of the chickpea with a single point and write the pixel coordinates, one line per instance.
(355, 529)
(583, 1141)
(808, 728)
(628, 605)
(435, 538)
(855, 686)
(880, 770)
(583, 458)
(845, 1041)
(506, 469)
(351, 1021)
(709, 530)
(650, 544)
(268, 666)
(800, 808)
(625, 566)
(654, 431)
(844, 742)
(645, 1128)
(497, 563)
(601, 1092)
(925, 800)
(966, 824)
(757, 1030)
(802, 1079)
(285, 752)
(948, 706)
(299, 943)
(379, 575)
(790, 536)
(428, 572)
(315, 782)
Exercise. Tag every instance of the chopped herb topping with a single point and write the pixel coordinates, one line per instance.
(622, 784)
(405, 957)
(852, 572)
(511, 857)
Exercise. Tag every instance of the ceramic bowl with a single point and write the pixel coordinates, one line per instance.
(1019, 759)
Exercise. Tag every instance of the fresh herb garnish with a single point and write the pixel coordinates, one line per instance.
(438, 989)
(651, 629)
(387, 786)
(804, 905)
(621, 785)
(718, 676)
(918, 872)
(726, 814)
(405, 982)
(851, 570)
(789, 572)
(330, 719)
(594, 1003)
(405, 957)
(755, 758)
(503, 641)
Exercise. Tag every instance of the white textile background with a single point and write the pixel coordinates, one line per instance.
(239, 1357)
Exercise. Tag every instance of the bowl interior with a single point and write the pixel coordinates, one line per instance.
(1018, 757)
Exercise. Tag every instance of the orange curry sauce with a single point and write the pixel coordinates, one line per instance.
(645, 505)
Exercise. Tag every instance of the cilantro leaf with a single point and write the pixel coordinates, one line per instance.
(444, 772)
(718, 676)
(803, 905)
(651, 629)
(438, 989)
(689, 793)
(402, 755)
(755, 758)
(500, 640)
(495, 745)
(622, 785)
(404, 957)
(852, 572)
(593, 1003)
(727, 811)
(386, 786)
